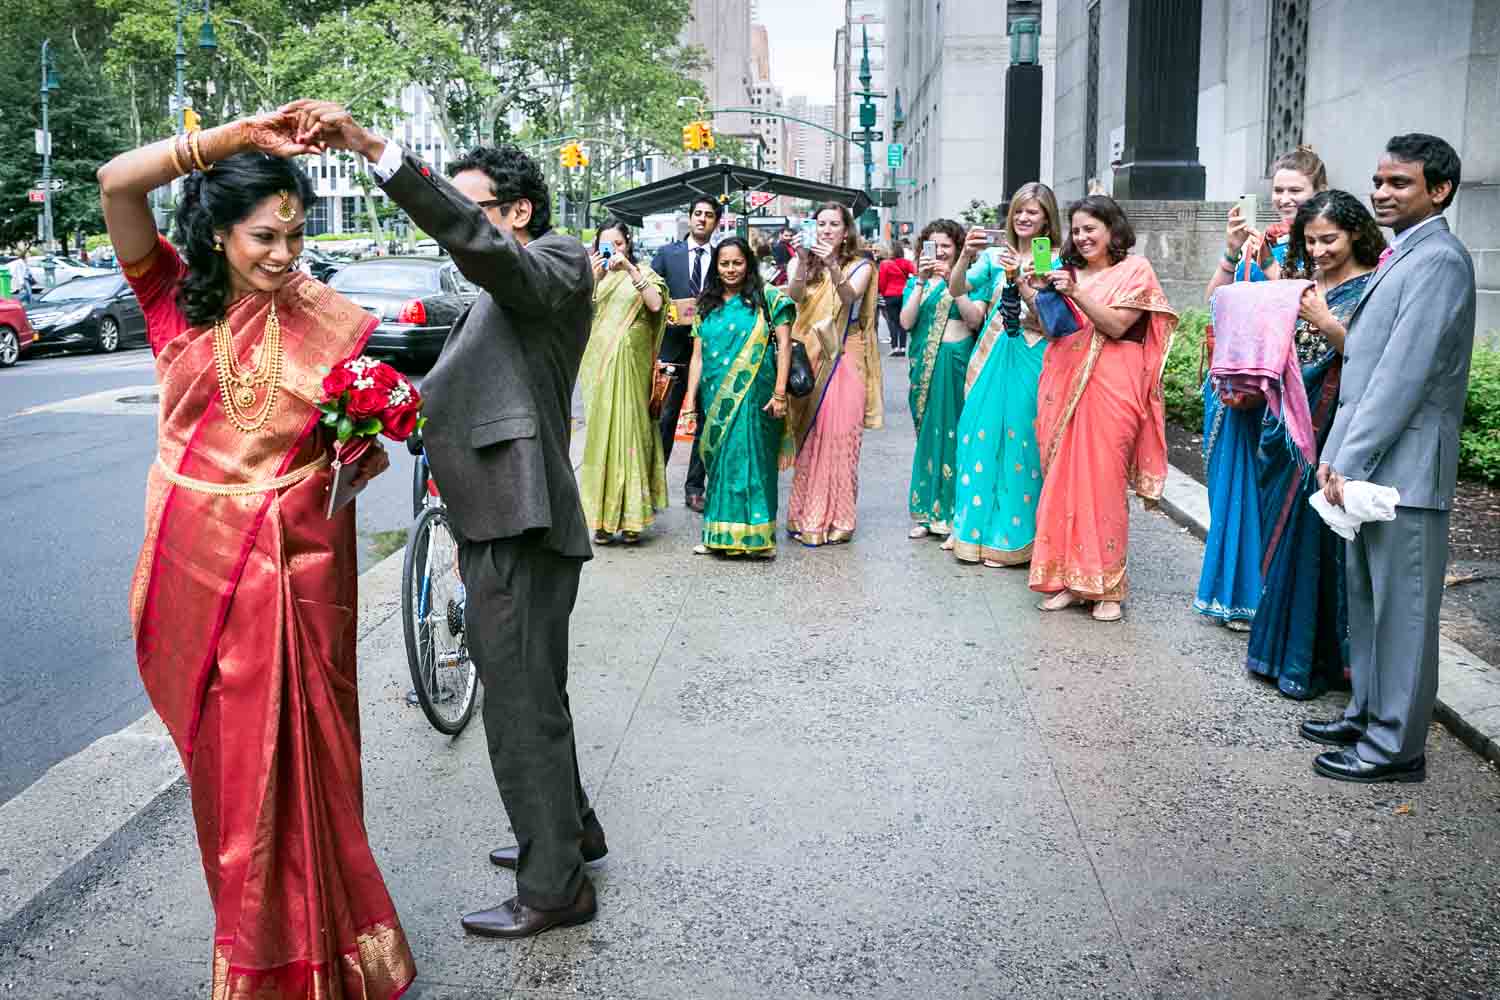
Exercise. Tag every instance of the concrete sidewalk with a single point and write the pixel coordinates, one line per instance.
(868, 771)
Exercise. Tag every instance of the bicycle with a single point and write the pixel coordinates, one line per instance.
(433, 604)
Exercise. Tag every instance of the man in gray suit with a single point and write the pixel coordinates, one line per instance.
(499, 407)
(1405, 380)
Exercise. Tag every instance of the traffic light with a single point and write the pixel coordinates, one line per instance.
(706, 135)
(191, 120)
(690, 137)
(572, 156)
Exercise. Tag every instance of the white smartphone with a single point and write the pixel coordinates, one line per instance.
(929, 249)
(1248, 209)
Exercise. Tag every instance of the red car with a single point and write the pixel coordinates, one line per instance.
(16, 334)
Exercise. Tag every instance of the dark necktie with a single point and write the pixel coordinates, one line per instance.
(695, 283)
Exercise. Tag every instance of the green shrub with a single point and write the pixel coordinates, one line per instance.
(1479, 441)
(1182, 381)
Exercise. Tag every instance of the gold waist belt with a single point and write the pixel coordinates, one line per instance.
(242, 489)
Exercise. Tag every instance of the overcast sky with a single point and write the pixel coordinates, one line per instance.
(801, 34)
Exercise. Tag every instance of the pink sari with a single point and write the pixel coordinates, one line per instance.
(828, 426)
(1101, 426)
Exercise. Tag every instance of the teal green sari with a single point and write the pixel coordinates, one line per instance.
(741, 445)
(998, 466)
(936, 397)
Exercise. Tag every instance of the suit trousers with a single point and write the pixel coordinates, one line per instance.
(1395, 575)
(697, 476)
(520, 597)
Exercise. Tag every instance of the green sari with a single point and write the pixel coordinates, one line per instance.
(741, 445)
(936, 398)
(623, 482)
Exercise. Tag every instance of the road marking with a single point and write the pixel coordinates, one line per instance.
(107, 402)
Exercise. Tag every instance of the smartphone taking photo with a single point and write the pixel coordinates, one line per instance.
(1041, 254)
(1248, 207)
(929, 249)
(809, 232)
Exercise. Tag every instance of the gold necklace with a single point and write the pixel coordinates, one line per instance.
(239, 385)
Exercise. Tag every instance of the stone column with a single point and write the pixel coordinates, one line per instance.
(1160, 160)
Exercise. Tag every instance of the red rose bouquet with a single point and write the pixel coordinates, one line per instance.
(363, 398)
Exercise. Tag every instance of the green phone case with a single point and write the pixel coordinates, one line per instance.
(1041, 255)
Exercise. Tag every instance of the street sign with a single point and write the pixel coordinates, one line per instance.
(866, 135)
(895, 155)
(43, 143)
(37, 196)
(56, 184)
(884, 197)
(906, 182)
(760, 199)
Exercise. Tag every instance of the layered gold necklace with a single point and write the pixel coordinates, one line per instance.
(240, 386)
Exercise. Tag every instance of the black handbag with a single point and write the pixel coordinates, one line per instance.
(800, 380)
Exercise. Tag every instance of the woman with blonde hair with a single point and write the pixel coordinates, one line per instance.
(1230, 582)
(999, 465)
(833, 284)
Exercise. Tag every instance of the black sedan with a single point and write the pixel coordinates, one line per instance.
(416, 299)
(99, 313)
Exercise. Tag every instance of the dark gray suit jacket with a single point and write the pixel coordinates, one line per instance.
(499, 400)
(1406, 371)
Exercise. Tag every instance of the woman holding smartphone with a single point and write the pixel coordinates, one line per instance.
(1229, 585)
(999, 465)
(834, 288)
(623, 482)
(1101, 421)
(942, 338)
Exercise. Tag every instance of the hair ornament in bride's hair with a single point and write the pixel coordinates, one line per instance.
(285, 211)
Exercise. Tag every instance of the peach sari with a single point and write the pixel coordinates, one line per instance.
(1101, 426)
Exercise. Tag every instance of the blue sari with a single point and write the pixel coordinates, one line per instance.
(1230, 583)
(1300, 638)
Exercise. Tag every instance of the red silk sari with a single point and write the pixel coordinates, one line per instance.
(243, 607)
(1100, 426)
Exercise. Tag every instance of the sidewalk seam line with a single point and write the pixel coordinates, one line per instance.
(1068, 804)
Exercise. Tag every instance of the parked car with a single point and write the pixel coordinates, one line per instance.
(416, 299)
(16, 333)
(324, 265)
(64, 268)
(99, 313)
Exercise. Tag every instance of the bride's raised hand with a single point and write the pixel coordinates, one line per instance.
(275, 133)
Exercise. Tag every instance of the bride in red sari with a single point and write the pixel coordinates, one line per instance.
(243, 598)
(1101, 418)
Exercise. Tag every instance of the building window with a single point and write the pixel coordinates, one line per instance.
(1287, 77)
(317, 217)
(1091, 100)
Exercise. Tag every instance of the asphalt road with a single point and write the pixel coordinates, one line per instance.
(71, 500)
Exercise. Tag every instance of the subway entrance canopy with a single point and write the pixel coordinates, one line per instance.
(720, 181)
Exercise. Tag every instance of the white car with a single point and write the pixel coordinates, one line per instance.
(64, 269)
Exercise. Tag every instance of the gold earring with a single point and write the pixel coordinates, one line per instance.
(218, 244)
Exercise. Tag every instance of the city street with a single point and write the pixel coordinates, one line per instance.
(859, 772)
(77, 433)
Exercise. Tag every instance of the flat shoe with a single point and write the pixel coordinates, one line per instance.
(700, 550)
(920, 531)
(603, 538)
(947, 546)
(1107, 616)
(1055, 602)
(630, 537)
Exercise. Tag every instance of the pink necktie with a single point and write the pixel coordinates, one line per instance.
(1385, 255)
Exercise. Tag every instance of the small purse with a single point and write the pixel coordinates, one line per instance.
(662, 377)
(1059, 316)
(800, 379)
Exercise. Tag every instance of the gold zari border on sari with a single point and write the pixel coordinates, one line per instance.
(381, 964)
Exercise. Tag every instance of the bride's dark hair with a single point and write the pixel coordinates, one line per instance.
(216, 200)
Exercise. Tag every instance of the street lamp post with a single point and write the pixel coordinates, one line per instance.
(206, 41)
(49, 84)
(867, 135)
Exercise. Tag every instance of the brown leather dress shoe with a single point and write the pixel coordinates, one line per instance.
(514, 919)
(593, 846)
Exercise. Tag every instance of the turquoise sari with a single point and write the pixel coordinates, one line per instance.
(999, 466)
(1300, 637)
(741, 445)
(936, 397)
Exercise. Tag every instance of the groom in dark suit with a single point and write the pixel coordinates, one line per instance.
(684, 264)
(1401, 401)
(498, 407)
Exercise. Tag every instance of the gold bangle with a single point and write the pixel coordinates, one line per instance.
(176, 161)
(197, 155)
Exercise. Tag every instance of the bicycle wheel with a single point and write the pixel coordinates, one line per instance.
(432, 616)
